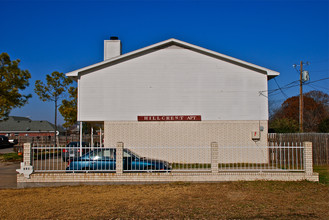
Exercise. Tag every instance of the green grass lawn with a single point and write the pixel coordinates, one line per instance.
(323, 173)
(11, 157)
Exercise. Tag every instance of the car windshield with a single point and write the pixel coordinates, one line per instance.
(129, 153)
(101, 154)
(109, 153)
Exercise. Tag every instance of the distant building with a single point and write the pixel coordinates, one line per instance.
(22, 126)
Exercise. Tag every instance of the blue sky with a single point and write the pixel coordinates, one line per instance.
(63, 36)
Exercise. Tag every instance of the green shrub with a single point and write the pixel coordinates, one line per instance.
(11, 157)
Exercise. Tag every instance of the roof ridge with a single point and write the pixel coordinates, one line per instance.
(269, 73)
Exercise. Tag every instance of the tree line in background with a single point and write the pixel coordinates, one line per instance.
(13, 81)
(285, 119)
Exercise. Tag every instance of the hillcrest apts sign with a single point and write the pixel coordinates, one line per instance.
(170, 118)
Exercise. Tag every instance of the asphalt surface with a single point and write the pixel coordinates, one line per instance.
(8, 178)
(6, 150)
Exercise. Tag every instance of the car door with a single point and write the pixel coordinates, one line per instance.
(97, 160)
(103, 159)
(109, 159)
(127, 160)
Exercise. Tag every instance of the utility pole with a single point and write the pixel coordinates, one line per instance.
(303, 76)
(301, 98)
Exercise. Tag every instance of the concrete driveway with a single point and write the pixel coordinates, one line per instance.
(8, 172)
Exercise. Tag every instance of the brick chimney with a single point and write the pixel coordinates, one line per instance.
(112, 48)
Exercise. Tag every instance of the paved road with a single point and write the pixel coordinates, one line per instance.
(8, 171)
(6, 150)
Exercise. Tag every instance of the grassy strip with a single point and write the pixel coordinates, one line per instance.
(323, 173)
(11, 157)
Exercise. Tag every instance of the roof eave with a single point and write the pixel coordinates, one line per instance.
(270, 73)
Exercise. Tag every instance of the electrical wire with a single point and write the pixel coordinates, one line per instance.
(289, 85)
(317, 87)
(284, 94)
(317, 80)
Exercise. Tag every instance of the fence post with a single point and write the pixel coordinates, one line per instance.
(214, 157)
(26, 168)
(27, 154)
(308, 158)
(119, 158)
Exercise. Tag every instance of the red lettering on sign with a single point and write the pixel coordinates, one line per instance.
(170, 118)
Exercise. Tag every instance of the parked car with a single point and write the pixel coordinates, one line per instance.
(72, 150)
(13, 141)
(104, 159)
(4, 142)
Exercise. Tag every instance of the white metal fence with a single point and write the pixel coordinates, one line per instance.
(277, 158)
(320, 144)
(269, 158)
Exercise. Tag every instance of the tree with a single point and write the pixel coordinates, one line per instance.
(68, 109)
(53, 91)
(315, 110)
(12, 80)
(324, 126)
(285, 125)
(318, 96)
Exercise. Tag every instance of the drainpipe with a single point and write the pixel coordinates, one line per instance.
(100, 136)
(92, 137)
(80, 138)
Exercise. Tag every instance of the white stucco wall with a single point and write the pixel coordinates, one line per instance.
(172, 81)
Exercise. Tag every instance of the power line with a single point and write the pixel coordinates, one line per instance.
(288, 86)
(317, 80)
(312, 87)
(280, 89)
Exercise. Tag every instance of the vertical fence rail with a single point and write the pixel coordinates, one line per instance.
(278, 157)
(320, 144)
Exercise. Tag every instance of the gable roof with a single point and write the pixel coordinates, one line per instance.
(23, 124)
(270, 73)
